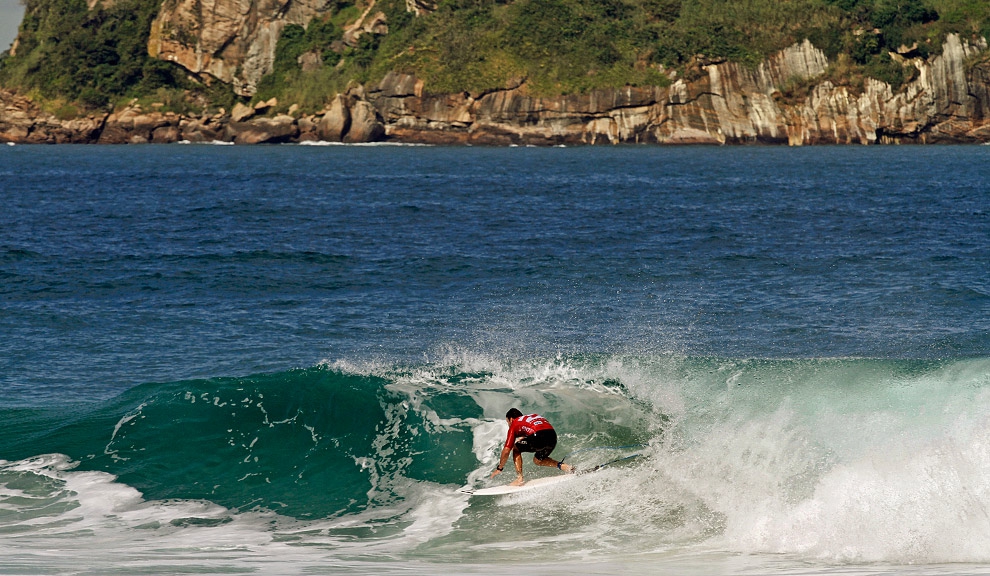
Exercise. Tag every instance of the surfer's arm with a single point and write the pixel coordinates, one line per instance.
(506, 450)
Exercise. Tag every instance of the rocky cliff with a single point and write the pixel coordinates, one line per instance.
(231, 40)
(728, 103)
(234, 40)
(788, 99)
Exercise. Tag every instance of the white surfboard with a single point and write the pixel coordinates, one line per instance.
(528, 485)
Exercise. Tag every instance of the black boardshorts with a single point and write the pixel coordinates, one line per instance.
(542, 442)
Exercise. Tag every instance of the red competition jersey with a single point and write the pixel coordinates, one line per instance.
(526, 426)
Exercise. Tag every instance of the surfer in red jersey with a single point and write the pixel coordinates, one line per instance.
(530, 433)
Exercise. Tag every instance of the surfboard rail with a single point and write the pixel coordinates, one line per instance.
(538, 482)
(507, 489)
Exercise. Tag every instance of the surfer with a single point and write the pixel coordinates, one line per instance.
(531, 433)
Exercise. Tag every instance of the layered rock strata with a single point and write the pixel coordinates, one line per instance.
(728, 103)
(788, 99)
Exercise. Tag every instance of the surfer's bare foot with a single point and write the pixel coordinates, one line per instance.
(567, 468)
(517, 482)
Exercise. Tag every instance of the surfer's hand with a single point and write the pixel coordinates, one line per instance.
(496, 472)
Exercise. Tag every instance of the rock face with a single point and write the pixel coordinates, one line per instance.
(788, 99)
(728, 103)
(368, 23)
(232, 40)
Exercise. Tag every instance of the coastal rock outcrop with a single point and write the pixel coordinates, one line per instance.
(727, 103)
(23, 121)
(791, 98)
(351, 119)
(133, 125)
(280, 129)
(206, 128)
(366, 124)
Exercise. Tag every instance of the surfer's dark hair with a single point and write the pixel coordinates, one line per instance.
(513, 413)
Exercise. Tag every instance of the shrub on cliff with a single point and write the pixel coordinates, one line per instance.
(67, 51)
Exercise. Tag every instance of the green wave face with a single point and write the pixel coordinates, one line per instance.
(741, 451)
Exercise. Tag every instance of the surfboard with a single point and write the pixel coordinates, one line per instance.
(539, 482)
(528, 485)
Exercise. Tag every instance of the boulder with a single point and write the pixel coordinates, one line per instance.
(265, 105)
(134, 126)
(336, 122)
(366, 124)
(275, 130)
(310, 61)
(166, 134)
(307, 129)
(241, 112)
(200, 130)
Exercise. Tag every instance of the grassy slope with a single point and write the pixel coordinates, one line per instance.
(92, 59)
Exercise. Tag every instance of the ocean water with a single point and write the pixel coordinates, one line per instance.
(288, 359)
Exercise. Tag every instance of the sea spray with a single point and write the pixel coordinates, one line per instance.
(837, 460)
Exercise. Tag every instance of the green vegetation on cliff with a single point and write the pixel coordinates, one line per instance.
(94, 57)
(566, 46)
(67, 51)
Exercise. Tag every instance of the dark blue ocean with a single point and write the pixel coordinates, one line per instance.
(287, 359)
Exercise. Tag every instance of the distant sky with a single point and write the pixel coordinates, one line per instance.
(11, 14)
